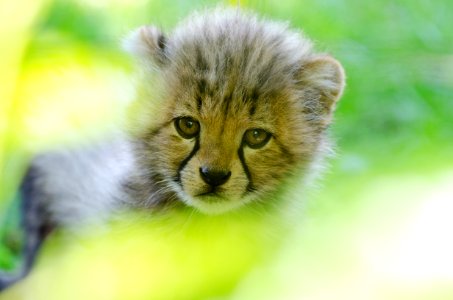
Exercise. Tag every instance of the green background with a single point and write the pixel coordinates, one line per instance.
(379, 224)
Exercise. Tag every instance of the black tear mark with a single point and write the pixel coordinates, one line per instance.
(250, 187)
(186, 160)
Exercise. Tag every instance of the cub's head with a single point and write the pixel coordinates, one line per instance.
(229, 105)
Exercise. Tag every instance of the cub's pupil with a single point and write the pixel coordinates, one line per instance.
(256, 134)
(187, 127)
(256, 138)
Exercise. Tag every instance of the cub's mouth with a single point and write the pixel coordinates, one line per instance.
(212, 191)
(214, 200)
(213, 194)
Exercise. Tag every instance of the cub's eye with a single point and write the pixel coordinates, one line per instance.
(256, 138)
(187, 127)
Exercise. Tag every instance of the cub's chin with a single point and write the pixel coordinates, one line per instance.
(214, 204)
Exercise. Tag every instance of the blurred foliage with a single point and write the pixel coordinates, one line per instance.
(64, 78)
(11, 238)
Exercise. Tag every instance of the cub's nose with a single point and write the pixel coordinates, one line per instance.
(214, 177)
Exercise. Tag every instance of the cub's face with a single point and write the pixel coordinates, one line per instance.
(239, 109)
(220, 152)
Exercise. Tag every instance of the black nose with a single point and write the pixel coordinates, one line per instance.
(214, 177)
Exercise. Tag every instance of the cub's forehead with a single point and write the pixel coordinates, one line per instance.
(231, 31)
(231, 56)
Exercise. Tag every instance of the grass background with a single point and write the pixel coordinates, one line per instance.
(380, 226)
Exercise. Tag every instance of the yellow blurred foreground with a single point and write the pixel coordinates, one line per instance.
(395, 244)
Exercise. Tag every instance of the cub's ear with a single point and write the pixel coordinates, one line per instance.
(322, 79)
(148, 44)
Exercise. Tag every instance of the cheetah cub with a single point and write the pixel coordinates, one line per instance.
(232, 105)
(228, 106)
